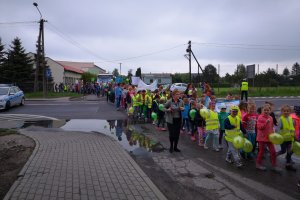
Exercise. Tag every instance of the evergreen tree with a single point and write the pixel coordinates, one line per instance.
(210, 74)
(138, 72)
(296, 69)
(2, 61)
(19, 65)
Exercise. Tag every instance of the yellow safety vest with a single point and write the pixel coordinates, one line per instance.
(288, 130)
(212, 121)
(244, 86)
(232, 133)
(136, 100)
(148, 101)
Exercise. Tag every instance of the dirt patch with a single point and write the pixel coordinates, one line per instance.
(15, 150)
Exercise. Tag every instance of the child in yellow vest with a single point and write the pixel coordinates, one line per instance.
(212, 127)
(286, 129)
(233, 128)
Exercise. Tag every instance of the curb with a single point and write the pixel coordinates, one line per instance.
(23, 170)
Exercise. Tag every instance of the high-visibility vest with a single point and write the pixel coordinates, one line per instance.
(232, 133)
(135, 100)
(212, 121)
(244, 86)
(288, 130)
(148, 101)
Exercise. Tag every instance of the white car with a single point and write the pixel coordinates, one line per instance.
(179, 86)
(10, 96)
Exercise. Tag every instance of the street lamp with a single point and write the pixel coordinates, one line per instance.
(40, 54)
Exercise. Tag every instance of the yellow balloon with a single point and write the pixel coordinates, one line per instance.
(131, 110)
(238, 142)
(276, 138)
(247, 146)
(204, 112)
(296, 148)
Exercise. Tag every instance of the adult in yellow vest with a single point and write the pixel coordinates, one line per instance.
(212, 127)
(244, 89)
(287, 129)
(233, 128)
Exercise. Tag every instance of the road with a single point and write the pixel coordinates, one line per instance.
(195, 173)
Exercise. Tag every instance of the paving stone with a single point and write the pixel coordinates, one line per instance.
(81, 165)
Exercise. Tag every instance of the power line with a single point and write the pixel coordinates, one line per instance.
(275, 47)
(76, 44)
(16, 23)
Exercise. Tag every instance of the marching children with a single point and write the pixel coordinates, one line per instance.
(212, 127)
(222, 115)
(161, 116)
(287, 130)
(193, 106)
(233, 127)
(249, 123)
(264, 129)
(185, 116)
(200, 124)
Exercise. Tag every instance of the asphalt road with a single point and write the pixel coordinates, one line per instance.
(259, 185)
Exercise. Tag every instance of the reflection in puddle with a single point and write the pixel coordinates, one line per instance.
(117, 129)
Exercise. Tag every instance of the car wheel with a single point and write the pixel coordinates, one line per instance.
(7, 106)
(22, 102)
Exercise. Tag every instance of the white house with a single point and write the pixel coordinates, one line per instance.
(164, 78)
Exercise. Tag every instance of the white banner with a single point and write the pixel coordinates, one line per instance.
(144, 86)
(135, 80)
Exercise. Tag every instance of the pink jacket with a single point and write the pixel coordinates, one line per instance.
(264, 129)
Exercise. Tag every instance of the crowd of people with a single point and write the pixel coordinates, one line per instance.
(195, 115)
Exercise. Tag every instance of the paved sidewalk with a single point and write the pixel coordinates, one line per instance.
(77, 165)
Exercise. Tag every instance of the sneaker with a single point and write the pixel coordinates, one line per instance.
(201, 144)
(276, 169)
(193, 138)
(163, 129)
(205, 147)
(290, 168)
(260, 167)
(153, 123)
(183, 128)
(228, 160)
(189, 133)
(217, 150)
(177, 150)
(239, 165)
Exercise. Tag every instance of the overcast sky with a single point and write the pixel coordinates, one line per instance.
(153, 34)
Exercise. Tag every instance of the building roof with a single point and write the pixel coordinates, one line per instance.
(79, 65)
(73, 69)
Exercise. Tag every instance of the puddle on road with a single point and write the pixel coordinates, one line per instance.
(117, 129)
(120, 130)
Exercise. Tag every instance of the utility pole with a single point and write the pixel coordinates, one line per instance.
(40, 57)
(219, 78)
(120, 67)
(276, 68)
(189, 50)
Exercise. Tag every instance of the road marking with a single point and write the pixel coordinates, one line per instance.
(22, 117)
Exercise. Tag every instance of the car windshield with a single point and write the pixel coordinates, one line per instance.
(3, 91)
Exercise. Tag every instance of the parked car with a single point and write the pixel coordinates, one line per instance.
(179, 86)
(10, 96)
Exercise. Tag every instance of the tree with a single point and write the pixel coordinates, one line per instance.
(2, 61)
(296, 69)
(210, 74)
(18, 66)
(138, 72)
(115, 72)
(286, 72)
(88, 77)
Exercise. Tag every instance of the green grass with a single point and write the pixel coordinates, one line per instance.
(52, 94)
(4, 131)
(260, 92)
